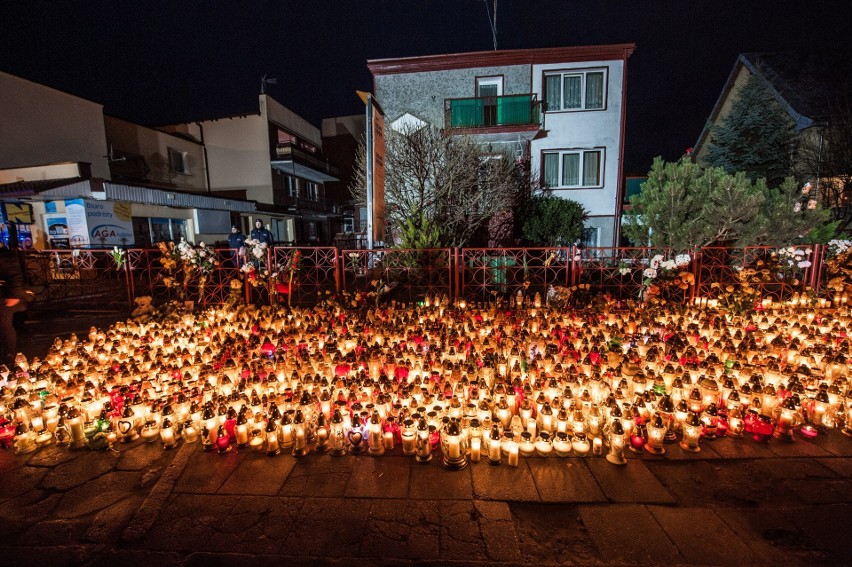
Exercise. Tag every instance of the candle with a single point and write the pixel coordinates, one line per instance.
(242, 434)
(272, 446)
(388, 440)
(408, 442)
(475, 448)
(513, 455)
(597, 446)
(256, 442)
(453, 448)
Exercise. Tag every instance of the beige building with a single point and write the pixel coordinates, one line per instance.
(273, 157)
(41, 126)
(70, 177)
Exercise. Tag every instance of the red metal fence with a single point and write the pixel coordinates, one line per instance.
(92, 277)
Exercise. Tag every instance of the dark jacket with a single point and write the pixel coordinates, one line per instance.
(262, 235)
(236, 240)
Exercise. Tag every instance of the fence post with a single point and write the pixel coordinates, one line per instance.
(818, 257)
(571, 264)
(337, 261)
(455, 271)
(696, 273)
(128, 280)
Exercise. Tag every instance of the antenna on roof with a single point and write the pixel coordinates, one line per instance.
(265, 82)
(492, 21)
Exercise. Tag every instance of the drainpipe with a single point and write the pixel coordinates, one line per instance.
(206, 162)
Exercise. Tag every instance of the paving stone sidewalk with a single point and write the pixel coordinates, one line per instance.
(737, 502)
(784, 504)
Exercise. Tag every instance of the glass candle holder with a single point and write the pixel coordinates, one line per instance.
(580, 444)
(561, 444)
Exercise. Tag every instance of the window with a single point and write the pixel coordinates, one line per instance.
(178, 162)
(573, 90)
(573, 168)
(489, 88)
(291, 185)
(590, 237)
(312, 191)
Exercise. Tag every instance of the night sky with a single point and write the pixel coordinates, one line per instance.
(160, 62)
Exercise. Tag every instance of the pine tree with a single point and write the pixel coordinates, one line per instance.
(757, 137)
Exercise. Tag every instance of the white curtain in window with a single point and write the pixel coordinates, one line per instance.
(572, 91)
(594, 90)
(591, 168)
(570, 170)
(551, 91)
(551, 170)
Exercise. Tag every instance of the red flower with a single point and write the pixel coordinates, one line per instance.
(689, 151)
(282, 288)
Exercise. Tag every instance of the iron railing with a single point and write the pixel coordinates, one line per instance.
(473, 274)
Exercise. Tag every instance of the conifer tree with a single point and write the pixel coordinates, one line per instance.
(757, 137)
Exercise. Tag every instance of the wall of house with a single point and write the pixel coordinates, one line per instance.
(423, 94)
(275, 112)
(41, 125)
(238, 156)
(592, 129)
(154, 146)
(741, 76)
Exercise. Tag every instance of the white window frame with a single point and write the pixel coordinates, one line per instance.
(177, 157)
(482, 81)
(582, 152)
(582, 73)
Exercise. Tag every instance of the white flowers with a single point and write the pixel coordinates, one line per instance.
(649, 273)
(624, 271)
(256, 248)
(837, 247)
(795, 256)
(659, 263)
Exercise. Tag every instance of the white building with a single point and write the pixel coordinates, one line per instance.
(561, 108)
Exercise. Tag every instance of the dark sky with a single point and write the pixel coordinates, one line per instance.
(157, 62)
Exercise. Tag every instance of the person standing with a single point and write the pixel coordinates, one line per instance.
(260, 233)
(14, 294)
(237, 243)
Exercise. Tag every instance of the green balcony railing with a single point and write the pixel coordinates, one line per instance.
(484, 112)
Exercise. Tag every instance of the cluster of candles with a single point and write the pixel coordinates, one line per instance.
(467, 382)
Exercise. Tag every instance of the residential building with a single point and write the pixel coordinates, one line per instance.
(63, 182)
(562, 110)
(273, 157)
(815, 89)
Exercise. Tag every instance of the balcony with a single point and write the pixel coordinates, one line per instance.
(517, 110)
(290, 158)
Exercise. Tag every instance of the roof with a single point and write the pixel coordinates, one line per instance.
(805, 83)
(54, 189)
(29, 188)
(808, 82)
(504, 57)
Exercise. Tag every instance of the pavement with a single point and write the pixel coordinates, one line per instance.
(737, 502)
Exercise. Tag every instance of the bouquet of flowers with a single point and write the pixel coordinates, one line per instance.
(118, 257)
(838, 266)
(662, 277)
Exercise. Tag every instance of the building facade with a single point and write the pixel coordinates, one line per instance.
(275, 158)
(71, 177)
(560, 109)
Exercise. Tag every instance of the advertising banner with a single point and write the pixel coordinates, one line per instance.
(109, 223)
(75, 215)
